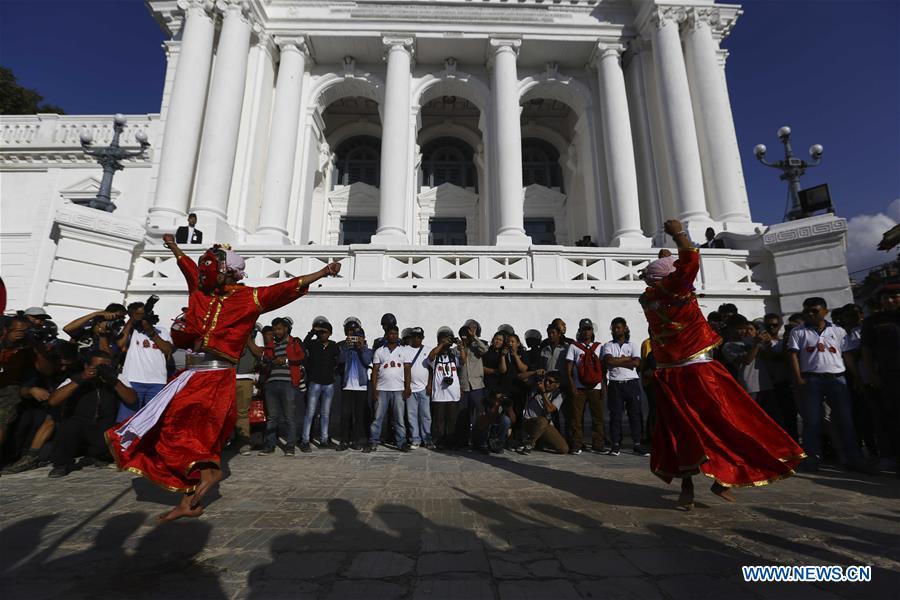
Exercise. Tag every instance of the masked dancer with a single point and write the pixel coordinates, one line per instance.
(706, 422)
(176, 439)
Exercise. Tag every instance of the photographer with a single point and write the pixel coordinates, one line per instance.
(493, 428)
(91, 399)
(147, 348)
(16, 365)
(355, 359)
(545, 400)
(321, 362)
(471, 373)
(99, 330)
(39, 420)
(445, 361)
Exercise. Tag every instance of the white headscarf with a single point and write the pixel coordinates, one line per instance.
(235, 263)
(659, 268)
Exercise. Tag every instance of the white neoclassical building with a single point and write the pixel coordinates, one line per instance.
(450, 153)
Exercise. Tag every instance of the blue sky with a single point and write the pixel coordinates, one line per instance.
(828, 68)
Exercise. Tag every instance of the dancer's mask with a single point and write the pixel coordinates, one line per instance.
(212, 264)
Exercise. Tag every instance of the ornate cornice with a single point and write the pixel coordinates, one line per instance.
(720, 17)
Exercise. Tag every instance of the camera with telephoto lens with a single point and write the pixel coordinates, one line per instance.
(113, 328)
(447, 381)
(150, 317)
(43, 333)
(108, 374)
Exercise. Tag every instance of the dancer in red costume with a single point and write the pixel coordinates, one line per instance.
(706, 422)
(176, 439)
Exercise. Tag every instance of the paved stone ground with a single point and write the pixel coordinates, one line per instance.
(432, 526)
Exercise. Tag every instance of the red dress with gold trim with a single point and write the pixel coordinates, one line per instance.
(198, 407)
(706, 422)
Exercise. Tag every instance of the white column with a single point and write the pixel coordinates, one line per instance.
(283, 132)
(727, 198)
(508, 143)
(619, 149)
(680, 134)
(181, 137)
(223, 120)
(395, 143)
(648, 192)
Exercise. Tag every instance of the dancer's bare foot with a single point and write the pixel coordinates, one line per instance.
(722, 492)
(183, 509)
(686, 498)
(208, 478)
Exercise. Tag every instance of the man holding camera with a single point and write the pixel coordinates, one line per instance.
(445, 363)
(321, 361)
(147, 348)
(16, 364)
(92, 398)
(99, 330)
(355, 358)
(546, 399)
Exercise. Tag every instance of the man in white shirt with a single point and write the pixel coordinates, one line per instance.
(387, 387)
(147, 347)
(584, 394)
(416, 391)
(817, 366)
(445, 363)
(621, 360)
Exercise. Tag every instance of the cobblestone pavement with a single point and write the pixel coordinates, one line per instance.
(431, 526)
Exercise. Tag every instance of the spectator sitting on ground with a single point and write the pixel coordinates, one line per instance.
(91, 400)
(493, 428)
(544, 400)
(39, 420)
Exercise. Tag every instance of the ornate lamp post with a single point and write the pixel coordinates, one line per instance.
(791, 168)
(110, 158)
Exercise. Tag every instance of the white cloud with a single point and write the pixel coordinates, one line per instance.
(863, 234)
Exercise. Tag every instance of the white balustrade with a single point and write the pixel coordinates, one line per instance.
(465, 269)
(62, 133)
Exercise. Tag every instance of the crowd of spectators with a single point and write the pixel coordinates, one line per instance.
(829, 379)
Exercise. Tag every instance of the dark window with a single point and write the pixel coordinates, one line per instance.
(448, 232)
(448, 160)
(541, 231)
(540, 164)
(359, 160)
(358, 230)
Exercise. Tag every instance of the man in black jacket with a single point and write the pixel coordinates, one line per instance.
(188, 234)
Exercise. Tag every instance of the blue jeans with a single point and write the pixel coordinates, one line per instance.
(418, 412)
(281, 407)
(471, 406)
(394, 401)
(145, 393)
(820, 387)
(315, 392)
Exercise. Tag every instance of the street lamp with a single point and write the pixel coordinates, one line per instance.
(792, 168)
(110, 158)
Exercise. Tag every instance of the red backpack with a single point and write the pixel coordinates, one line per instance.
(590, 367)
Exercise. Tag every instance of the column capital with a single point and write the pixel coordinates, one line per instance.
(499, 45)
(234, 9)
(197, 7)
(299, 44)
(718, 21)
(606, 50)
(392, 42)
(264, 41)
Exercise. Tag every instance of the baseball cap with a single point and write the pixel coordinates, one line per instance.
(36, 311)
(585, 324)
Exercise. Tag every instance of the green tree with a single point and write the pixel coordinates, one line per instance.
(18, 100)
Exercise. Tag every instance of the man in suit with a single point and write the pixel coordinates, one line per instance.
(189, 235)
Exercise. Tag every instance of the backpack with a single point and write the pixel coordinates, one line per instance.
(590, 367)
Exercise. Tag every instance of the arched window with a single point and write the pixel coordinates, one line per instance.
(540, 164)
(448, 160)
(359, 160)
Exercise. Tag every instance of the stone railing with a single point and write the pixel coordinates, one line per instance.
(31, 138)
(464, 269)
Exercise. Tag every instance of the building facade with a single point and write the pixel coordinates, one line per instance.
(451, 153)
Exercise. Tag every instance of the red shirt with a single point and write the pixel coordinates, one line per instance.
(222, 321)
(678, 329)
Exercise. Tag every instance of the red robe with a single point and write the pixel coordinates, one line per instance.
(199, 418)
(706, 422)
